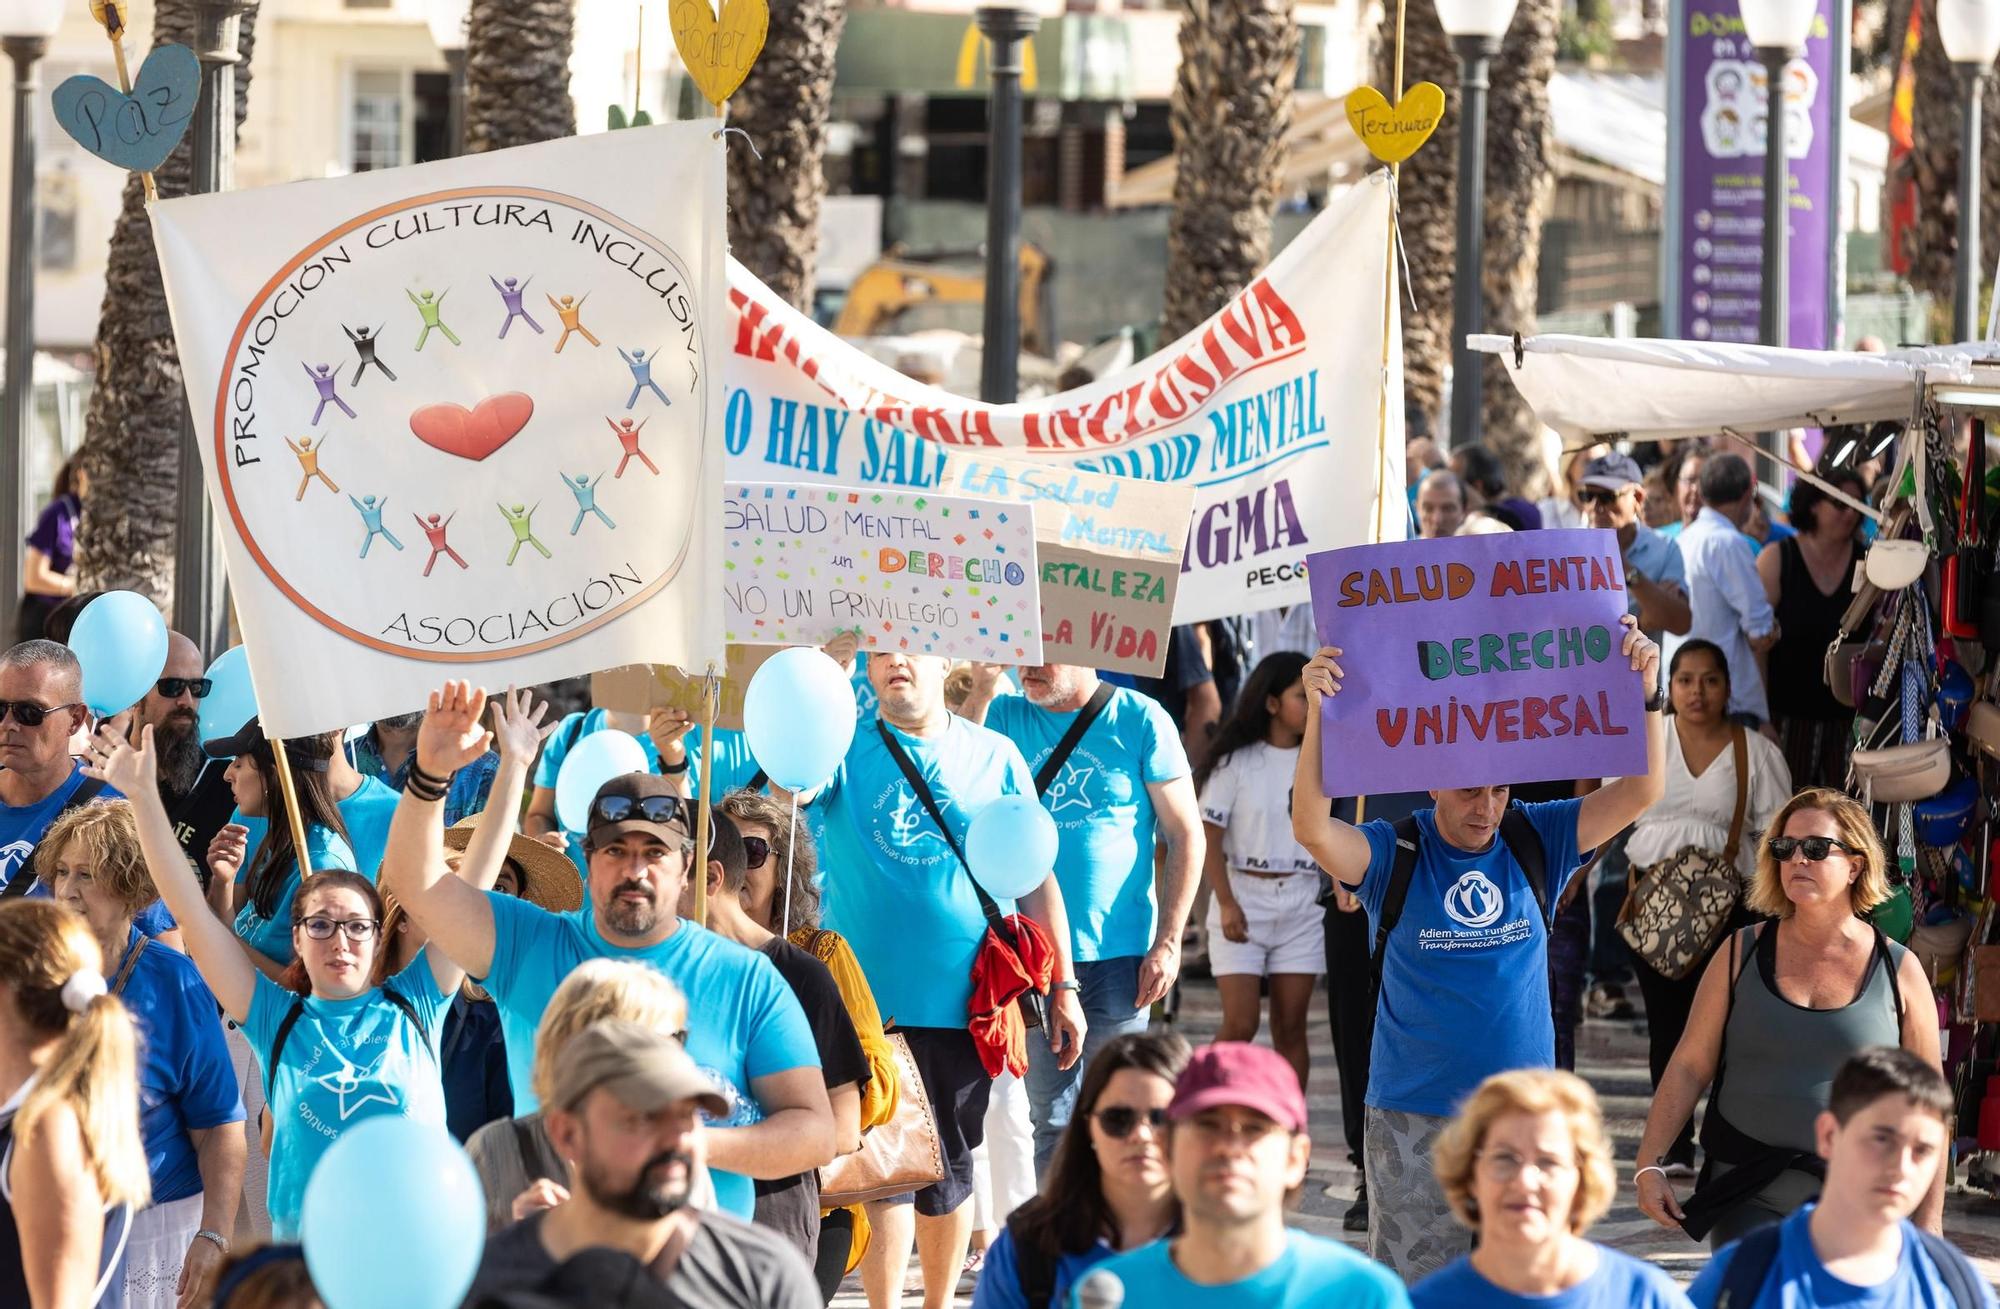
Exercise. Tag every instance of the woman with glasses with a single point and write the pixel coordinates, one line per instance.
(1107, 1189)
(190, 1111)
(338, 1041)
(1527, 1165)
(1808, 578)
(1779, 1010)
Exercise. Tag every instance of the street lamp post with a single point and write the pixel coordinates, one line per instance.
(1476, 28)
(1777, 29)
(25, 29)
(447, 20)
(1971, 32)
(1005, 27)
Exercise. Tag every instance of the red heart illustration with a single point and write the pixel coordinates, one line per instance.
(477, 432)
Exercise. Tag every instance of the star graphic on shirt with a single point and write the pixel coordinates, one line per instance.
(908, 824)
(1071, 789)
(346, 1083)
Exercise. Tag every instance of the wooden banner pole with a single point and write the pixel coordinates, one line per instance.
(711, 699)
(291, 797)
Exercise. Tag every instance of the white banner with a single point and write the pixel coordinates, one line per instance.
(1271, 410)
(458, 420)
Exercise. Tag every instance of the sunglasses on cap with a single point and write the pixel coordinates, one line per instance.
(172, 688)
(1815, 848)
(29, 714)
(1121, 1121)
(646, 808)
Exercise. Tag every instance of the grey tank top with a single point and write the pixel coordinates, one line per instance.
(1781, 1057)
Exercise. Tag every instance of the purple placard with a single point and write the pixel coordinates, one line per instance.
(1718, 146)
(1477, 661)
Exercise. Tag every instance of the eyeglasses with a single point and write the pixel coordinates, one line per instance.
(321, 928)
(29, 714)
(1120, 1121)
(172, 688)
(647, 808)
(1597, 495)
(1815, 848)
(1505, 1165)
(755, 851)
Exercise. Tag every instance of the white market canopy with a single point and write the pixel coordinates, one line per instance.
(1650, 389)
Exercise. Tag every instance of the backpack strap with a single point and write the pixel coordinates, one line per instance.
(757, 781)
(1035, 1268)
(1401, 871)
(1749, 1268)
(1051, 766)
(285, 1026)
(23, 879)
(1525, 844)
(1954, 1269)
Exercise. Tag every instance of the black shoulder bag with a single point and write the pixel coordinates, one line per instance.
(1052, 765)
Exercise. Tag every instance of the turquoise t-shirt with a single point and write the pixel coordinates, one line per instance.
(1620, 1282)
(272, 936)
(344, 1061)
(743, 1021)
(557, 748)
(1470, 958)
(892, 885)
(735, 766)
(1312, 1273)
(1103, 812)
(366, 816)
(1799, 1280)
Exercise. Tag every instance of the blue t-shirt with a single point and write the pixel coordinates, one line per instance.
(1620, 1282)
(557, 748)
(186, 1082)
(272, 936)
(743, 1021)
(892, 885)
(1468, 959)
(1798, 1280)
(734, 764)
(1103, 812)
(1000, 1277)
(366, 816)
(345, 1061)
(1312, 1273)
(23, 826)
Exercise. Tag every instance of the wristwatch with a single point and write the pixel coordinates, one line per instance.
(220, 1242)
(1658, 700)
(1070, 985)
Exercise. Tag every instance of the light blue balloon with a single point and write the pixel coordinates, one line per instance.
(1011, 846)
(231, 700)
(121, 641)
(590, 763)
(798, 716)
(393, 1215)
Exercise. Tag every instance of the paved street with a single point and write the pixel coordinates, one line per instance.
(1612, 1055)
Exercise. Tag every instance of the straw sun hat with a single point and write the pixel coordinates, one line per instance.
(548, 878)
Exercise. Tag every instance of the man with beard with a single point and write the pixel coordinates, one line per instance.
(1110, 770)
(389, 747)
(745, 1029)
(192, 785)
(627, 1112)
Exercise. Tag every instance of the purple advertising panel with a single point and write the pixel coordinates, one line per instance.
(1477, 661)
(1715, 175)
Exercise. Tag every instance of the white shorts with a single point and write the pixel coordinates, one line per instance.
(1287, 927)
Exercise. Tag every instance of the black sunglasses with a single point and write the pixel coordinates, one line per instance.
(29, 714)
(1120, 1122)
(171, 688)
(321, 928)
(1816, 848)
(1597, 495)
(755, 851)
(646, 808)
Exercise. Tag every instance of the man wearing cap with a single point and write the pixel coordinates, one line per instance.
(1613, 495)
(388, 748)
(627, 1110)
(41, 707)
(1236, 1146)
(746, 1030)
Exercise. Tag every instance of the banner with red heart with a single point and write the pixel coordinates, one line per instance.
(476, 432)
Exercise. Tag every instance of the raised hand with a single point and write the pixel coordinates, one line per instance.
(132, 770)
(518, 730)
(842, 647)
(668, 729)
(1322, 675)
(226, 852)
(451, 737)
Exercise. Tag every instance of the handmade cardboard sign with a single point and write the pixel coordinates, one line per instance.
(1394, 134)
(926, 574)
(640, 688)
(1108, 550)
(1477, 661)
(136, 131)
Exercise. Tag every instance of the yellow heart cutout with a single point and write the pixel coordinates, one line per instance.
(718, 51)
(1393, 135)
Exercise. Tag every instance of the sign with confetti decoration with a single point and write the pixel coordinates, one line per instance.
(924, 574)
(461, 419)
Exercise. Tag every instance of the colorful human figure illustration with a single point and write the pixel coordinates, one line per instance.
(324, 381)
(628, 437)
(519, 518)
(432, 308)
(309, 467)
(434, 530)
(370, 510)
(641, 365)
(365, 340)
(584, 488)
(511, 292)
(570, 310)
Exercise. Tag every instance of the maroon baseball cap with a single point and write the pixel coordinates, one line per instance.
(1247, 1076)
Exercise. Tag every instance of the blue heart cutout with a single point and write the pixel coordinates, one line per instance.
(136, 131)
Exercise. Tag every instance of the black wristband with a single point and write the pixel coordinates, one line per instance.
(674, 770)
(426, 785)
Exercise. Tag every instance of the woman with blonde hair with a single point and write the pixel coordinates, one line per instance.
(1526, 1165)
(69, 1115)
(1777, 1013)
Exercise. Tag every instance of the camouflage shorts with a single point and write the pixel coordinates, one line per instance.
(1410, 1228)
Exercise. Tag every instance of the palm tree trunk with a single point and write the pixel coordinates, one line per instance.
(1934, 131)
(774, 202)
(1426, 198)
(132, 428)
(1232, 106)
(517, 73)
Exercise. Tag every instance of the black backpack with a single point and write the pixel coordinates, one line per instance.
(1750, 1267)
(1516, 833)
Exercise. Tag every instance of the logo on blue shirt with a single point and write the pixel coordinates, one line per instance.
(1474, 901)
(1071, 789)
